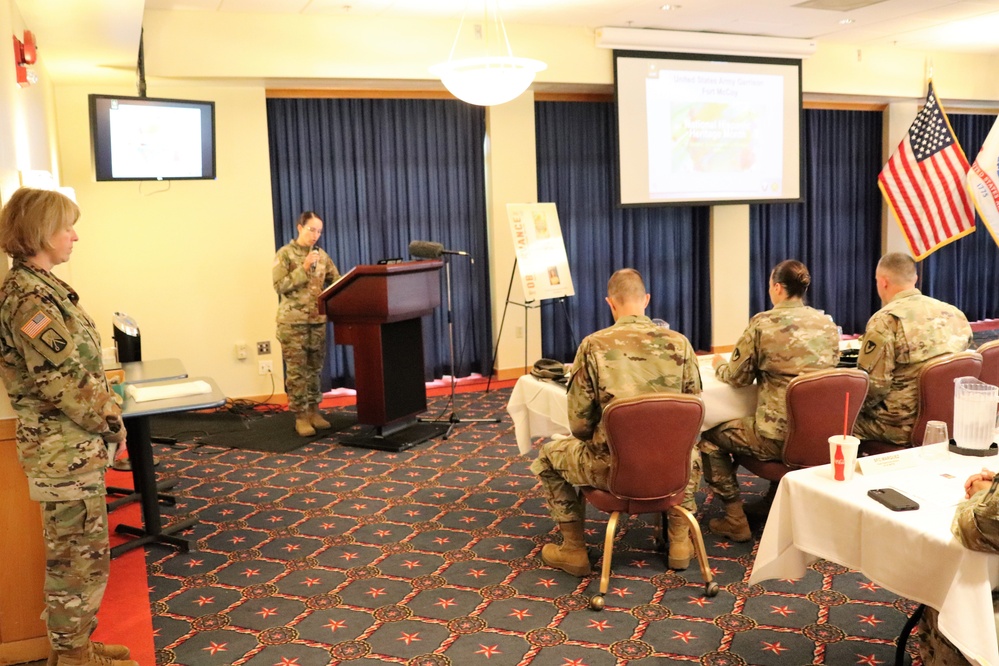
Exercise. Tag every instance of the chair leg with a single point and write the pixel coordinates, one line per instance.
(903, 638)
(597, 600)
(710, 586)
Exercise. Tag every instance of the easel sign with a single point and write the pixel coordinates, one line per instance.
(537, 241)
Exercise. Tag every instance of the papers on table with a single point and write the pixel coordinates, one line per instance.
(166, 391)
(931, 487)
(934, 478)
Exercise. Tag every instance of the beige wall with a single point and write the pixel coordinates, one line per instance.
(511, 177)
(190, 260)
(27, 129)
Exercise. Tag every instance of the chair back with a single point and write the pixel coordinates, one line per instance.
(650, 437)
(990, 362)
(815, 403)
(936, 389)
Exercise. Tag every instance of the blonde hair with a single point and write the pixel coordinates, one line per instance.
(31, 218)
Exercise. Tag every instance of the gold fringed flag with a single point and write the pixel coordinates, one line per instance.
(983, 181)
(924, 182)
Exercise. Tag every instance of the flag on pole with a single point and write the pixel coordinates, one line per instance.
(983, 181)
(924, 182)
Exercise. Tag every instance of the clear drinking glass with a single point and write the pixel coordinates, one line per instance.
(935, 441)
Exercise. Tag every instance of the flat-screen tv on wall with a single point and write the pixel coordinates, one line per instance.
(707, 129)
(144, 138)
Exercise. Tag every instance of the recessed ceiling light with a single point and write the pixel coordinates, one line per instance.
(669, 8)
(846, 21)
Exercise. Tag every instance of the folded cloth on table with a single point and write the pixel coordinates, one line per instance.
(178, 390)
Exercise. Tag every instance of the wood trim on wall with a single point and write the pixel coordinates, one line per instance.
(318, 93)
(376, 93)
(573, 97)
(844, 106)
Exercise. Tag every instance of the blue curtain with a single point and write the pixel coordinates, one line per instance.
(836, 229)
(381, 173)
(965, 272)
(669, 246)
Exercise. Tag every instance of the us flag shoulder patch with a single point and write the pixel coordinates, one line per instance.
(36, 324)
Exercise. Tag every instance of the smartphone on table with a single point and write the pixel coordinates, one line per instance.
(893, 499)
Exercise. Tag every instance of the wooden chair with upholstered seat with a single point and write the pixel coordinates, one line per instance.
(814, 405)
(650, 438)
(936, 396)
(990, 362)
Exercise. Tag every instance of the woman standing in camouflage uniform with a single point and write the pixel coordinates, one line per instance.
(50, 362)
(777, 346)
(301, 271)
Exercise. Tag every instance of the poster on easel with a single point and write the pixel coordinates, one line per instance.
(541, 258)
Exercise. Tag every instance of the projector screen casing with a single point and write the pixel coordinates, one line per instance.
(152, 138)
(703, 101)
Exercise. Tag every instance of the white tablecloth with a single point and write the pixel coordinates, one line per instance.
(911, 553)
(540, 408)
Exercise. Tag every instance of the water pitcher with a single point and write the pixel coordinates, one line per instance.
(974, 412)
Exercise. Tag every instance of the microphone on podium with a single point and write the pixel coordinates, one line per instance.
(429, 250)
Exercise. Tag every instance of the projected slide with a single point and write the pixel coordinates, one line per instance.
(711, 133)
(150, 142)
(700, 129)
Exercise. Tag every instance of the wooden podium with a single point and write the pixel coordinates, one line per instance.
(377, 310)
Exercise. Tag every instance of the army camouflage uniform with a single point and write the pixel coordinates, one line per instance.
(976, 526)
(900, 337)
(777, 346)
(632, 357)
(50, 363)
(301, 329)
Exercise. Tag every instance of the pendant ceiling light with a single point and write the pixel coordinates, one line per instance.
(490, 74)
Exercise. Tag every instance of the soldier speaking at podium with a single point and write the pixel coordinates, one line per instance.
(301, 271)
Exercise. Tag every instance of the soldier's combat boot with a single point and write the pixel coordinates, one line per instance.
(316, 419)
(734, 525)
(680, 547)
(303, 425)
(87, 656)
(109, 650)
(571, 556)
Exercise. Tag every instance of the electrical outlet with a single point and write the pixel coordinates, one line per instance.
(266, 367)
(241, 351)
(263, 348)
(518, 332)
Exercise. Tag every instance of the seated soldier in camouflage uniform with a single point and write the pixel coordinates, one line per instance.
(777, 346)
(50, 363)
(632, 357)
(901, 337)
(300, 272)
(976, 526)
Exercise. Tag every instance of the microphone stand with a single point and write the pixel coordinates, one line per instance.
(453, 418)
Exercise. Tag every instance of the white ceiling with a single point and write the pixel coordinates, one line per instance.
(104, 33)
(966, 25)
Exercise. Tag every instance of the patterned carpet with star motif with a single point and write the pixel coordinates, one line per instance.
(338, 555)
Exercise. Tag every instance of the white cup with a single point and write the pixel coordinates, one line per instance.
(843, 456)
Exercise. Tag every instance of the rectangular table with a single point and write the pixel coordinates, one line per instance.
(540, 408)
(155, 370)
(911, 553)
(144, 372)
(136, 417)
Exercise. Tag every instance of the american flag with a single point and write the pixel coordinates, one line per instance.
(35, 325)
(924, 182)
